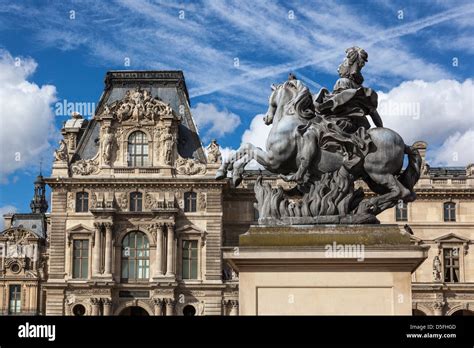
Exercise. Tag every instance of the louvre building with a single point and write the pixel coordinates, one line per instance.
(138, 225)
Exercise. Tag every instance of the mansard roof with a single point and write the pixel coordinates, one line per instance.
(168, 86)
(30, 222)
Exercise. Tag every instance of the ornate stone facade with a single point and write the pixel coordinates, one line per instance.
(108, 201)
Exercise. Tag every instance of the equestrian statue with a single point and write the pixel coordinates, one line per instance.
(324, 144)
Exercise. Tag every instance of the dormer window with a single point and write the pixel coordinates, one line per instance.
(449, 211)
(401, 211)
(137, 149)
(190, 202)
(136, 201)
(451, 265)
(82, 202)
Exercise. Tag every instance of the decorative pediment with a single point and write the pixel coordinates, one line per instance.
(191, 229)
(18, 235)
(136, 106)
(452, 239)
(80, 228)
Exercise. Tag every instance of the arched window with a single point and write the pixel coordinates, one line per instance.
(82, 202)
(449, 211)
(135, 257)
(137, 149)
(190, 201)
(401, 211)
(136, 201)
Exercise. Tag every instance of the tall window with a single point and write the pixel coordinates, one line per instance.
(80, 265)
(137, 149)
(449, 211)
(136, 201)
(190, 201)
(135, 257)
(451, 265)
(82, 202)
(401, 211)
(14, 306)
(190, 259)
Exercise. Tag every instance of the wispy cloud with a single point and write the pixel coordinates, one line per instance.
(206, 38)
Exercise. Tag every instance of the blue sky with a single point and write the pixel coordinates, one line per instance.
(420, 55)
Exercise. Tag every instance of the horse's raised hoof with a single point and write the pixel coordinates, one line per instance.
(220, 174)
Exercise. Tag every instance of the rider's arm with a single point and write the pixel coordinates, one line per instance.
(376, 118)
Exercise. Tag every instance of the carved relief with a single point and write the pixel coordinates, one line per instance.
(150, 201)
(85, 167)
(202, 201)
(189, 166)
(70, 201)
(123, 200)
(137, 105)
(93, 200)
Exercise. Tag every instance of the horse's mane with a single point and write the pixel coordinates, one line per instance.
(303, 101)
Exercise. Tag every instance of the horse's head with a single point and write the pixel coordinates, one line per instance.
(281, 95)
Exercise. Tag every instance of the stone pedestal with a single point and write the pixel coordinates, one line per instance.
(326, 270)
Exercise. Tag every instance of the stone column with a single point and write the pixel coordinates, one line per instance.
(170, 252)
(158, 303)
(107, 302)
(95, 306)
(234, 307)
(438, 308)
(169, 302)
(108, 249)
(96, 250)
(159, 250)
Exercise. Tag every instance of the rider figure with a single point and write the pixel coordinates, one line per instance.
(349, 102)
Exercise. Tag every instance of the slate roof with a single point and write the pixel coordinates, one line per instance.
(169, 86)
(32, 222)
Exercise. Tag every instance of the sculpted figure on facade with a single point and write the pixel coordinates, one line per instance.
(213, 152)
(436, 269)
(137, 105)
(108, 142)
(167, 144)
(189, 166)
(323, 144)
(61, 154)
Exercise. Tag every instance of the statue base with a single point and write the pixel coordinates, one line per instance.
(357, 219)
(325, 270)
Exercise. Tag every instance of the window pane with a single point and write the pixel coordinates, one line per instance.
(194, 269)
(185, 269)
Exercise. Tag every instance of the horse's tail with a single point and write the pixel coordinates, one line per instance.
(412, 173)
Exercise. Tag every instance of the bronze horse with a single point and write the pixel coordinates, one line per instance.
(293, 151)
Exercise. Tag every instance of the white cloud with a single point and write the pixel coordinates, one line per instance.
(457, 150)
(217, 123)
(6, 209)
(440, 113)
(26, 119)
(257, 133)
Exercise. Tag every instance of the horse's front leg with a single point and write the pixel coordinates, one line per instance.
(249, 152)
(228, 163)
